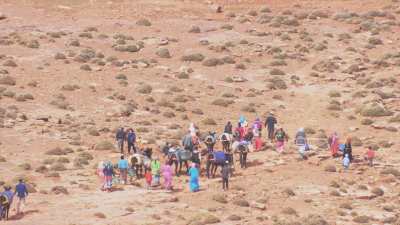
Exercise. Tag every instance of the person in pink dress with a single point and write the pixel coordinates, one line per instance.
(334, 144)
(167, 173)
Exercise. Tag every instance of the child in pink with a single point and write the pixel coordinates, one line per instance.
(167, 173)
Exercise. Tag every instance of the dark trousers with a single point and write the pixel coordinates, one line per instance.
(271, 133)
(131, 146)
(121, 145)
(243, 159)
(225, 183)
(208, 168)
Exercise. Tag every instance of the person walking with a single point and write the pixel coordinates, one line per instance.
(155, 172)
(120, 137)
(21, 191)
(370, 155)
(228, 128)
(108, 172)
(280, 138)
(167, 173)
(194, 178)
(348, 149)
(225, 173)
(131, 140)
(123, 169)
(270, 125)
(301, 142)
(346, 162)
(334, 144)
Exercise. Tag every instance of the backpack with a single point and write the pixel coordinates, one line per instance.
(280, 136)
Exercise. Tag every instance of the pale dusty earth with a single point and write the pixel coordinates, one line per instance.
(67, 81)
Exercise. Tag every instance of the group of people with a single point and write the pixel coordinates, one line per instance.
(8, 196)
(243, 138)
(346, 151)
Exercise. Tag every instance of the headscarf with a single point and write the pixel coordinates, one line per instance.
(193, 165)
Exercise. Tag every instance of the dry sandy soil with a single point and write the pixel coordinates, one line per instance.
(72, 71)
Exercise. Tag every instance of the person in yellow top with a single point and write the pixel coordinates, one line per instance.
(155, 171)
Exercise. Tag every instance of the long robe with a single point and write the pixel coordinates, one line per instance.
(334, 145)
(166, 171)
(194, 179)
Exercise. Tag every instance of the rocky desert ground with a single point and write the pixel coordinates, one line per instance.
(72, 71)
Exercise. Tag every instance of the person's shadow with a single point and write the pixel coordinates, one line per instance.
(21, 215)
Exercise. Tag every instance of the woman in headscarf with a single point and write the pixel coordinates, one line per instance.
(167, 173)
(334, 144)
(194, 178)
(301, 142)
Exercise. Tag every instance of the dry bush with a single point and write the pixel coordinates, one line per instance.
(375, 110)
(289, 192)
(367, 121)
(313, 219)
(241, 202)
(220, 198)
(145, 89)
(59, 151)
(93, 132)
(377, 191)
(63, 160)
(59, 190)
(209, 121)
(58, 167)
(25, 166)
(277, 72)
(276, 83)
(8, 80)
(194, 57)
(361, 219)
(194, 29)
(104, 145)
(334, 193)
(289, 211)
(169, 114)
(234, 217)
(330, 168)
(41, 169)
(346, 205)
(334, 94)
(210, 62)
(222, 102)
(86, 155)
(165, 103)
(10, 63)
(393, 171)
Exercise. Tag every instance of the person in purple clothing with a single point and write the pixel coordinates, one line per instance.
(108, 172)
(21, 192)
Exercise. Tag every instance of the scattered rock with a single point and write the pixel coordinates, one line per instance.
(163, 53)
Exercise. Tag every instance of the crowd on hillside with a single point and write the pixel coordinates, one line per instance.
(197, 150)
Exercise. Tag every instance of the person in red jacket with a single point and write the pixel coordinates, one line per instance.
(370, 155)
